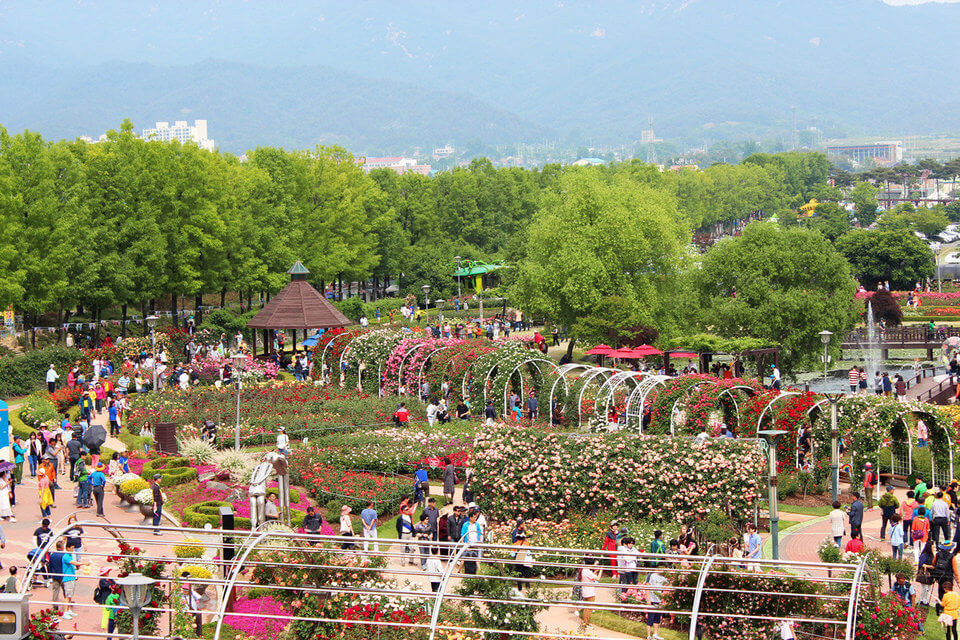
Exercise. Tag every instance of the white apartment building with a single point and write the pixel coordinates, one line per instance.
(181, 131)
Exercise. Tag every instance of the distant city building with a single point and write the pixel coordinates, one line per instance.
(585, 162)
(396, 163)
(443, 152)
(181, 131)
(887, 152)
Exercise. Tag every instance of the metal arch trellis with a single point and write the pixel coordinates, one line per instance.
(613, 383)
(738, 387)
(426, 359)
(347, 349)
(402, 361)
(323, 354)
(784, 394)
(528, 361)
(250, 544)
(321, 553)
(563, 371)
(684, 398)
(635, 408)
(589, 376)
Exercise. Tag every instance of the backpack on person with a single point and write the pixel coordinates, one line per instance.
(943, 567)
(872, 478)
(103, 590)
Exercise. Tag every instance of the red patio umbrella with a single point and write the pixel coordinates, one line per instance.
(600, 350)
(647, 350)
(627, 352)
(683, 354)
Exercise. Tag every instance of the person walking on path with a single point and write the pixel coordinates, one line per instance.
(283, 442)
(97, 481)
(888, 506)
(855, 513)
(157, 503)
(19, 454)
(920, 529)
(870, 481)
(45, 495)
(449, 480)
(6, 488)
(896, 536)
(837, 523)
(589, 578)
(368, 518)
(906, 515)
(940, 518)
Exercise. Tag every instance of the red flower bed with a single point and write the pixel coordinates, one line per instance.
(356, 488)
(65, 398)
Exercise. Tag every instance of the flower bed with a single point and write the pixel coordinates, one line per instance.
(38, 410)
(65, 398)
(278, 617)
(302, 409)
(334, 487)
(533, 472)
(392, 450)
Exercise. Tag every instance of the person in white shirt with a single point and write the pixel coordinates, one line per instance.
(364, 322)
(184, 379)
(432, 409)
(434, 569)
(283, 442)
(52, 377)
(627, 555)
(589, 579)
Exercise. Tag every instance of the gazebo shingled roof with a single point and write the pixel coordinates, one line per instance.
(298, 306)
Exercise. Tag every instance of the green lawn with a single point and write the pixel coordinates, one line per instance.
(614, 622)
(809, 511)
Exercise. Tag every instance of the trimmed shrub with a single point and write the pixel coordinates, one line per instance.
(133, 487)
(24, 374)
(173, 471)
(197, 571)
(191, 548)
(202, 513)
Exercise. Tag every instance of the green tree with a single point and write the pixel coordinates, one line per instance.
(592, 239)
(881, 255)
(615, 322)
(830, 219)
(782, 285)
(864, 197)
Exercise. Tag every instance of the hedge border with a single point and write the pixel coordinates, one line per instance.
(176, 470)
(200, 513)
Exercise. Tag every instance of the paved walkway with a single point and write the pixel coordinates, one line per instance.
(800, 543)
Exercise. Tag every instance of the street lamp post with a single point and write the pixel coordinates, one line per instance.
(459, 261)
(136, 592)
(152, 324)
(239, 364)
(426, 300)
(834, 450)
(771, 436)
(825, 339)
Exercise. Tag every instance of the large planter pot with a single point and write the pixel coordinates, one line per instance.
(146, 510)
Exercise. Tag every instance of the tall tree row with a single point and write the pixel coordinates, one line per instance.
(126, 222)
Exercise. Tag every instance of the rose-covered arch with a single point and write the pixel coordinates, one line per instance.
(638, 398)
(868, 423)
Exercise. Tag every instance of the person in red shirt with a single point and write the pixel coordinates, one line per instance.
(855, 545)
(401, 416)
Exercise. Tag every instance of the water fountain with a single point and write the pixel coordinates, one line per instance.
(870, 351)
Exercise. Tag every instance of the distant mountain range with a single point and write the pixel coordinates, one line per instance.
(247, 106)
(380, 76)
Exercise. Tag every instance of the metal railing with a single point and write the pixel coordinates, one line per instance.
(516, 591)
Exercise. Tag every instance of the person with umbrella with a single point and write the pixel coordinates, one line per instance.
(93, 438)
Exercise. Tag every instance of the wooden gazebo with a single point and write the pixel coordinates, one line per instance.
(298, 306)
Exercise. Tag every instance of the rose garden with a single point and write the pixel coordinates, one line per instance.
(643, 450)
